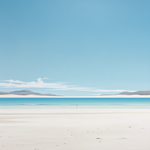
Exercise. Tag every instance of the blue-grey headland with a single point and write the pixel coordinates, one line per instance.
(29, 92)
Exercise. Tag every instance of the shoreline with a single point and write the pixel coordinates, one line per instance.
(32, 111)
(109, 96)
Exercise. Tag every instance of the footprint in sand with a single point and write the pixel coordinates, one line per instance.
(122, 138)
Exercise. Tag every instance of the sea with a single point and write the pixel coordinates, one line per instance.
(73, 103)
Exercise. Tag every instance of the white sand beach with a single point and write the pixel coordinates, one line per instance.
(101, 96)
(75, 129)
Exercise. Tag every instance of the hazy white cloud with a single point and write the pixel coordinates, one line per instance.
(14, 81)
(55, 86)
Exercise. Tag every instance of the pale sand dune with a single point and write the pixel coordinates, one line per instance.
(75, 129)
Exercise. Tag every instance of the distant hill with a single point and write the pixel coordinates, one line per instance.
(25, 92)
(135, 93)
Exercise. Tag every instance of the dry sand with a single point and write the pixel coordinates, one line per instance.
(75, 129)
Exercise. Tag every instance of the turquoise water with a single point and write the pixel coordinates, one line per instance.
(75, 102)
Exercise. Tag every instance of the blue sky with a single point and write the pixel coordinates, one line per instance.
(75, 47)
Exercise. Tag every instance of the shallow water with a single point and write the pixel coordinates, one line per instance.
(140, 103)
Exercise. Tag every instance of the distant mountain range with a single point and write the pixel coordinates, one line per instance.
(129, 93)
(25, 92)
(135, 93)
(28, 92)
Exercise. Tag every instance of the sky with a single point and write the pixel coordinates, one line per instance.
(75, 47)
